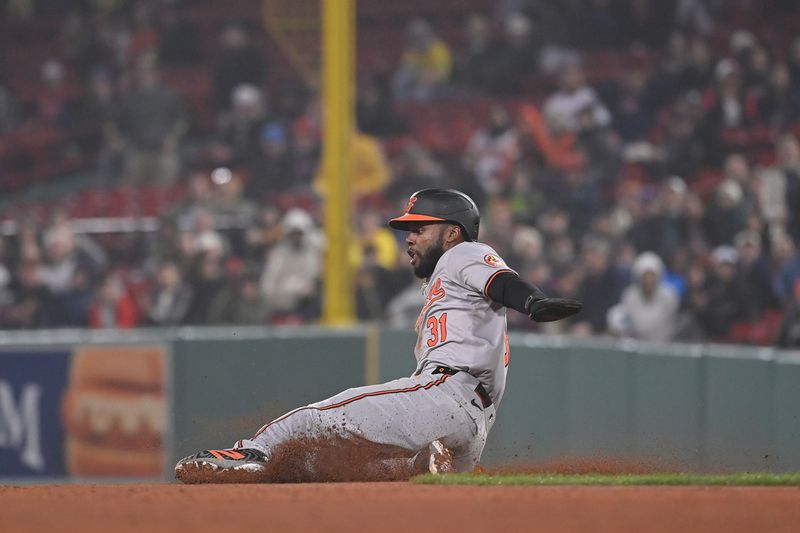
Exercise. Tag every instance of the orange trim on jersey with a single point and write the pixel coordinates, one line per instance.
(491, 279)
(417, 387)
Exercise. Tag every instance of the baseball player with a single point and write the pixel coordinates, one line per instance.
(440, 415)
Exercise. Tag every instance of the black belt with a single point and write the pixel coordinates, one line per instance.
(486, 400)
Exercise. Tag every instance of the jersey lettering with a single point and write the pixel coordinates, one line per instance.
(438, 329)
(434, 295)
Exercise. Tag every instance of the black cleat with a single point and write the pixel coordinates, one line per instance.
(223, 466)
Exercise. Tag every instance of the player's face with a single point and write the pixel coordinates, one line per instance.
(425, 246)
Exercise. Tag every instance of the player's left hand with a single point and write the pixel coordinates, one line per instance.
(552, 309)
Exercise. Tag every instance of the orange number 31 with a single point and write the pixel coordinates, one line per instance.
(438, 327)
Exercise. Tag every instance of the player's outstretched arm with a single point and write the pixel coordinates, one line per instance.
(509, 290)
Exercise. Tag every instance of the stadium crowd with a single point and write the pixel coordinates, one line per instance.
(666, 196)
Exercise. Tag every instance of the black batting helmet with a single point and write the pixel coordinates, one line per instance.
(441, 205)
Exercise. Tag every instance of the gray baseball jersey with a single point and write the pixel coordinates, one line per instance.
(459, 328)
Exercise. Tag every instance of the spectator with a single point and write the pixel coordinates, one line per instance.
(144, 34)
(663, 222)
(306, 151)
(56, 102)
(370, 175)
(99, 108)
(696, 16)
(562, 255)
(113, 307)
(271, 170)
(492, 151)
(413, 169)
(563, 108)
(9, 107)
(648, 309)
(375, 113)
(727, 214)
(683, 151)
(240, 302)
(371, 172)
(599, 25)
(71, 308)
(525, 191)
(292, 269)
(754, 275)
(779, 188)
(206, 279)
(794, 62)
(725, 107)
(373, 286)
(205, 237)
(725, 292)
(786, 265)
(757, 68)
(5, 276)
(239, 62)
(63, 259)
(789, 333)
(516, 57)
(229, 203)
(643, 22)
(403, 309)
(633, 115)
(374, 238)
(199, 196)
(240, 129)
(698, 72)
(179, 43)
(168, 301)
(425, 67)
(601, 285)
(527, 246)
(151, 123)
(736, 168)
(498, 224)
(266, 231)
(163, 246)
(792, 171)
(578, 193)
(29, 298)
(231, 209)
(695, 305)
(778, 102)
(669, 79)
(476, 62)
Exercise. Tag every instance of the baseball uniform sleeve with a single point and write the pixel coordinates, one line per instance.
(476, 266)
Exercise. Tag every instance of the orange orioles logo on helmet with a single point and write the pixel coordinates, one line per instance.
(410, 204)
(493, 261)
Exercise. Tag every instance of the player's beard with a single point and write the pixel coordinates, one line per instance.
(428, 260)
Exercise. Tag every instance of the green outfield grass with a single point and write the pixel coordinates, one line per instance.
(743, 479)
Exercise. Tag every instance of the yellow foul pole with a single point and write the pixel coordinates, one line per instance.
(338, 51)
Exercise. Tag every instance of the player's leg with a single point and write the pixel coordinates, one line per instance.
(465, 457)
(408, 413)
(401, 416)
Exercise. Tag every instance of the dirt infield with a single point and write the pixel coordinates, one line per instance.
(394, 507)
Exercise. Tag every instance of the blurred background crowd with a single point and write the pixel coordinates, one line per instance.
(159, 161)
